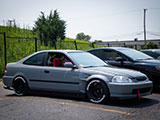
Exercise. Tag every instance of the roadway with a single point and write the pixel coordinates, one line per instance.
(58, 106)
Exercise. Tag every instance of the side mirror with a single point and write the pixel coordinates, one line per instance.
(119, 59)
(69, 65)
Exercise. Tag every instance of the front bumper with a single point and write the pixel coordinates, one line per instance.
(130, 90)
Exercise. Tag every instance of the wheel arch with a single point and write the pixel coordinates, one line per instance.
(20, 75)
(98, 77)
(94, 94)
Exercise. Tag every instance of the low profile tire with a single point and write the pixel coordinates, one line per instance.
(20, 86)
(97, 92)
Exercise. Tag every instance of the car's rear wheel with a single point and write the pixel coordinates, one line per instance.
(20, 86)
(97, 92)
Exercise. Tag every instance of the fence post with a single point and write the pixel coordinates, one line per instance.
(55, 45)
(136, 39)
(136, 47)
(108, 44)
(5, 49)
(35, 44)
(75, 43)
(93, 44)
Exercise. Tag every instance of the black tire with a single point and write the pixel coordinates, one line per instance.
(20, 86)
(97, 92)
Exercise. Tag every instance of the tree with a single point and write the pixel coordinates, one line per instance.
(150, 45)
(98, 41)
(50, 28)
(82, 36)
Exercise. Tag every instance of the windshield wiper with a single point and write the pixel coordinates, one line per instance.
(95, 66)
(89, 66)
(103, 66)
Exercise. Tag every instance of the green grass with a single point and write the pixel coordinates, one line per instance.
(20, 48)
(0, 79)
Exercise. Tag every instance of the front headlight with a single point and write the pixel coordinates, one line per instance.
(121, 79)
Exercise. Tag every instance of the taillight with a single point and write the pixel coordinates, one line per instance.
(5, 70)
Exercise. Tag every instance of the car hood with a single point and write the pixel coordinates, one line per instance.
(117, 71)
(149, 62)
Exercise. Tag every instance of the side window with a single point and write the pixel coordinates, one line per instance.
(57, 59)
(97, 53)
(36, 59)
(112, 55)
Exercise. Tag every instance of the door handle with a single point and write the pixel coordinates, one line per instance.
(46, 71)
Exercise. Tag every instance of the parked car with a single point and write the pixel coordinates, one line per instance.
(132, 59)
(155, 53)
(77, 72)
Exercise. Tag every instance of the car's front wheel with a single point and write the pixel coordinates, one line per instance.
(20, 86)
(97, 91)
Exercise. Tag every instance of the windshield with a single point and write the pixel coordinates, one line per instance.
(157, 51)
(134, 54)
(85, 59)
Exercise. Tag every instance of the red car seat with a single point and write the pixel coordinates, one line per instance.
(57, 62)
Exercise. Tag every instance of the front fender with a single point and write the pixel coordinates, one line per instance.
(84, 81)
(101, 77)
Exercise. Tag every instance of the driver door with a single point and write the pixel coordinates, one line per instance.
(59, 78)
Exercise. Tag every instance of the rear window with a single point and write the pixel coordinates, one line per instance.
(37, 59)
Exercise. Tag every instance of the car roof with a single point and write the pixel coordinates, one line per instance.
(110, 48)
(62, 51)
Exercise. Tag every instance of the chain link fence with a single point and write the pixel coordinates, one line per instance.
(2, 60)
(18, 48)
(13, 49)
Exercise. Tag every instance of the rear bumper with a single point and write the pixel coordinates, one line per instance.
(130, 90)
(7, 80)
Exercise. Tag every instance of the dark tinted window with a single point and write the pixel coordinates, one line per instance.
(107, 55)
(110, 55)
(36, 59)
(97, 53)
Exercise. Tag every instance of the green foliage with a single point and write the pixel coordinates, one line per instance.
(82, 36)
(18, 48)
(150, 45)
(50, 28)
(98, 41)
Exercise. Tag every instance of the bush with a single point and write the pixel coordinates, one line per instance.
(150, 45)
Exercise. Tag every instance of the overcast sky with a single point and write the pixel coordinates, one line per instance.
(102, 19)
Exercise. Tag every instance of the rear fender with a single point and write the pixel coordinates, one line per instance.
(22, 75)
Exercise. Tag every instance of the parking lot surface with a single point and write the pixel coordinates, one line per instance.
(58, 106)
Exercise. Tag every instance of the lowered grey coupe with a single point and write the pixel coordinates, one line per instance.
(76, 72)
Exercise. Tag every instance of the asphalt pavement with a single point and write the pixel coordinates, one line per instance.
(58, 106)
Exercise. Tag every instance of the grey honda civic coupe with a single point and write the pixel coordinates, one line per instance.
(76, 72)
